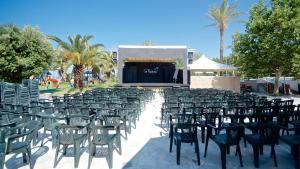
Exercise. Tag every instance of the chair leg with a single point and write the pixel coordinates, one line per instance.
(65, 149)
(274, 154)
(197, 151)
(56, 155)
(228, 149)
(296, 156)
(202, 134)
(238, 149)
(24, 158)
(178, 148)
(162, 118)
(91, 152)
(223, 149)
(206, 145)
(256, 155)
(76, 154)
(125, 127)
(110, 155)
(94, 149)
(119, 143)
(29, 157)
(261, 150)
(171, 141)
(42, 142)
(245, 142)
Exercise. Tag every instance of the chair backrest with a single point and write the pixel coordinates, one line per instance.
(111, 120)
(268, 133)
(79, 120)
(15, 134)
(65, 133)
(234, 134)
(97, 133)
(184, 118)
(212, 114)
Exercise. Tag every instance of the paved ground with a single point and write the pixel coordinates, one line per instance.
(147, 148)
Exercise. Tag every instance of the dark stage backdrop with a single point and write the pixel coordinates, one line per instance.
(143, 72)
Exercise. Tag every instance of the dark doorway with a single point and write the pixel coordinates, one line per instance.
(148, 72)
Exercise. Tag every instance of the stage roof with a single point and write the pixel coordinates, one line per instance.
(136, 51)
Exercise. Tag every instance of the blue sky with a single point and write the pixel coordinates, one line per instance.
(114, 22)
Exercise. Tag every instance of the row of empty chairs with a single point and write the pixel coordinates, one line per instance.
(227, 117)
(96, 117)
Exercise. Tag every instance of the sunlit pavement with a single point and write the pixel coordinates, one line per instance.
(147, 147)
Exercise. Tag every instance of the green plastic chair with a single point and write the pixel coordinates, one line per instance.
(2, 148)
(69, 135)
(19, 141)
(100, 136)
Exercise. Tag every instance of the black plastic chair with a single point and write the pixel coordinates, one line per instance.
(232, 137)
(267, 134)
(185, 131)
(212, 118)
(294, 142)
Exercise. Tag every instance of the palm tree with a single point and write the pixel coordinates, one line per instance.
(107, 64)
(59, 62)
(221, 16)
(78, 53)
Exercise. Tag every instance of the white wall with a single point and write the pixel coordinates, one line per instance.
(216, 82)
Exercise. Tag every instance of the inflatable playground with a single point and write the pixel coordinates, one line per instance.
(49, 79)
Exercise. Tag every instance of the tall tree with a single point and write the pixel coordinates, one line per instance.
(107, 63)
(59, 62)
(221, 16)
(79, 53)
(271, 44)
(23, 53)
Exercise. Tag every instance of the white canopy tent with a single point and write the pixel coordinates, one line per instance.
(206, 65)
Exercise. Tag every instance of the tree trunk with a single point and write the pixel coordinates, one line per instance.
(78, 76)
(107, 75)
(222, 45)
(61, 72)
(278, 74)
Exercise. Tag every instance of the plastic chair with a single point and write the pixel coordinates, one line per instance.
(69, 135)
(185, 131)
(100, 136)
(267, 134)
(294, 142)
(232, 137)
(15, 146)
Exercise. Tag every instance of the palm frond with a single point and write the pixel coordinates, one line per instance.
(54, 38)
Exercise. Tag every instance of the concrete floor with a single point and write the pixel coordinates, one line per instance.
(147, 147)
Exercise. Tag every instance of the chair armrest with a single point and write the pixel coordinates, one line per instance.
(214, 127)
(16, 136)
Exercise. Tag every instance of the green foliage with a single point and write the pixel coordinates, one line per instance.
(271, 41)
(23, 53)
(79, 53)
(77, 50)
(271, 44)
(179, 63)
